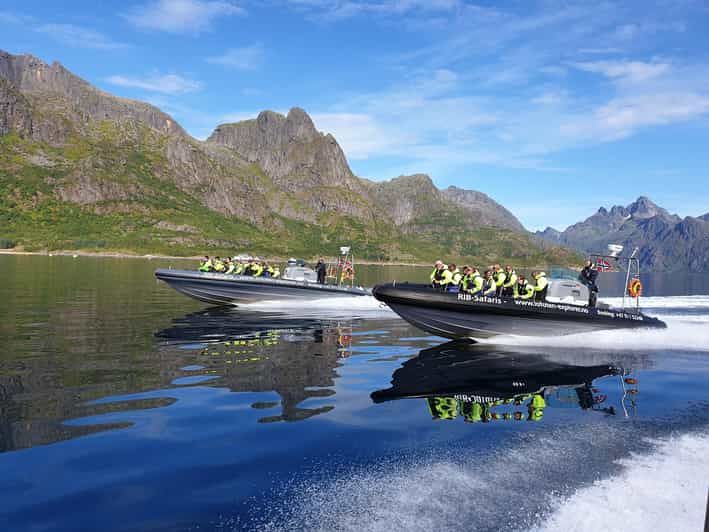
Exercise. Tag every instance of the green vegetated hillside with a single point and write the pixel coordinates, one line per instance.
(83, 170)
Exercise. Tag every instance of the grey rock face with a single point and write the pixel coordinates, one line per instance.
(487, 211)
(289, 149)
(666, 242)
(42, 82)
(406, 198)
(15, 110)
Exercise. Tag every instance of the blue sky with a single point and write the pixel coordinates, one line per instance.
(553, 108)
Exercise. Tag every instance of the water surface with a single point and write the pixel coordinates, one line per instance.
(126, 406)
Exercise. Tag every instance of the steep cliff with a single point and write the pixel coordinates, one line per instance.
(80, 168)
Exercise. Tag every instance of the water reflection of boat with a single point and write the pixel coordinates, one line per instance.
(481, 383)
(296, 358)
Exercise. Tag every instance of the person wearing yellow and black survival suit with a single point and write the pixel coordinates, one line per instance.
(522, 289)
(438, 275)
(255, 269)
(499, 275)
(588, 276)
(206, 264)
(508, 287)
(541, 286)
(472, 282)
(489, 286)
(321, 270)
(219, 266)
(267, 270)
(452, 278)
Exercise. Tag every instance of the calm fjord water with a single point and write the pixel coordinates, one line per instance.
(126, 406)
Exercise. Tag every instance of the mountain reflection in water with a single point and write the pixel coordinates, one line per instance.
(483, 383)
(257, 352)
(62, 399)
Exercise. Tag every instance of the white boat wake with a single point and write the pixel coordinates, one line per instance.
(664, 488)
(687, 319)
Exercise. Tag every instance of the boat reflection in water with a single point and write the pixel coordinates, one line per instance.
(296, 358)
(482, 383)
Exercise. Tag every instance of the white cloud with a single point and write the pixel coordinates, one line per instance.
(633, 71)
(79, 37)
(11, 18)
(181, 16)
(245, 58)
(165, 84)
(333, 10)
(622, 116)
(550, 97)
(359, 135)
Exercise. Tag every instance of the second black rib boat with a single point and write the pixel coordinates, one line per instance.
(457, 315)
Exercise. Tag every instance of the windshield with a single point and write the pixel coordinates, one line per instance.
(559, 272)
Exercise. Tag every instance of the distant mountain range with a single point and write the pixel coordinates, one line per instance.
(82, 169)
(666, 241)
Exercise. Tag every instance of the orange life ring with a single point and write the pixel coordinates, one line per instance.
(635, 288)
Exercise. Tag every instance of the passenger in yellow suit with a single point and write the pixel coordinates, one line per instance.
(276, 272)
(453, 278)
(541, 286)
(206, 264)
(257, 269)
(499, 275)
(508, 287)
(473, 282)
(219, 265)
(489, 284)
(438, 274)
(522, 289)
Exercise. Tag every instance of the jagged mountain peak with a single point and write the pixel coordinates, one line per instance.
(290, 149)
(490, 212)
(643, 207)
(666, 242)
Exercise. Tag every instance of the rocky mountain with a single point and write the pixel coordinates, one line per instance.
(483, 209)
(666, 241)
(80, 168)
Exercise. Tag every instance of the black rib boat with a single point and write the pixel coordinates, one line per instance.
(455, 315)
(564, 309)
(223, 289)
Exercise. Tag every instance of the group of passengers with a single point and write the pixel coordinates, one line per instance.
(237, 266)
(496, 281)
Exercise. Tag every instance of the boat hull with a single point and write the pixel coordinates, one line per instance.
(459, 316)
(223, 289)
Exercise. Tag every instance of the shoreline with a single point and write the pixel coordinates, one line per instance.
(150, 256)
